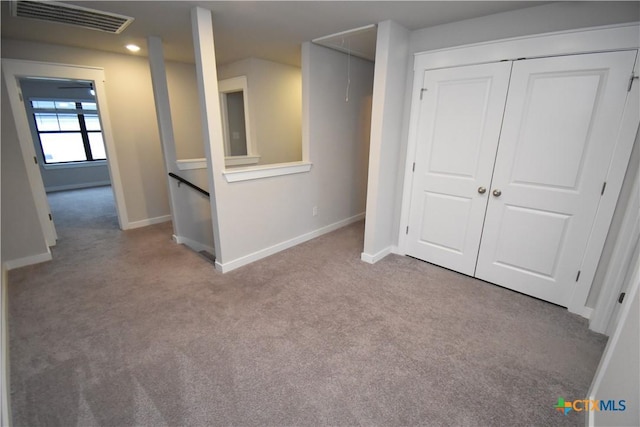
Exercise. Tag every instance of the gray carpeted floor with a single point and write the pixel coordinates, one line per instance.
(128, 328)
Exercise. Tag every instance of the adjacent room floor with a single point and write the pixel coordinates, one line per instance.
(129, 328)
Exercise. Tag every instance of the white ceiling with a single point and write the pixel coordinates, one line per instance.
(263, 29)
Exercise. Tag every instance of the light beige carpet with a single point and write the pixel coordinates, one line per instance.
(128, 328)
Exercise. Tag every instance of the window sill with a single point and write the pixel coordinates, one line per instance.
(75, 165)
(241, 160)
(266, 171)
(190, 164)
(249, 172)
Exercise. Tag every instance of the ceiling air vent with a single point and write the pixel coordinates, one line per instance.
(71, 14)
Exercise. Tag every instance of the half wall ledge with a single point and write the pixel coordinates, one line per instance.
(266, 171)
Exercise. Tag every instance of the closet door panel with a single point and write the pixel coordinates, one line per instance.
(561, 120)
(459, 126)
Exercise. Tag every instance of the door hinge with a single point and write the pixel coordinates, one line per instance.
(578, 276)
(422, 91)
(50, 217)
(407, 232)
(35, 160)
(604, 185)
(621, 297)
(631, 79)
(20, 96)
(413, 169)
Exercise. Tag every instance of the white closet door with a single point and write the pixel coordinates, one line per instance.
(560, 125)
(459, 126)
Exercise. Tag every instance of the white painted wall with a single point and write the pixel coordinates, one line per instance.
(618, 376)
(262, 216)
(275, 107)
(69, 178)
(616, 222)
(185, 110)
(338, 131)
(386, 164)
(21, 235)
(196, 230)
(546, 18)
(5, 396)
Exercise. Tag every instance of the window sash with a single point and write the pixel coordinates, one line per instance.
(90, 133)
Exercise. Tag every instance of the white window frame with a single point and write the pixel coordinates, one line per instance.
(31, 111)
(232, 85)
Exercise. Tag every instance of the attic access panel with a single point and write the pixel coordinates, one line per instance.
(360, 42)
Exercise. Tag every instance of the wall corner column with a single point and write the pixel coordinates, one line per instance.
(392, 58)
(207, 80)
(165, 124)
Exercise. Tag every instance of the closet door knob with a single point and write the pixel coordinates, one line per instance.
(482, 190)
(497, 193)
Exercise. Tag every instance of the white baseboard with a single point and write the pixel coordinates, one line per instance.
(372, 259)
(196, 246)
(586, 312)
(583, 311)
(146, 222)
(28, 260)
(263, 253)
(76, 186)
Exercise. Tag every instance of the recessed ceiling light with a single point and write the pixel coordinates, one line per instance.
(133, 47)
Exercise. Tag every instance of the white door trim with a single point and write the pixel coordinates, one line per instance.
(584, 40)
(606, 209)
(619, 264)
(14, 69)
(590, 40)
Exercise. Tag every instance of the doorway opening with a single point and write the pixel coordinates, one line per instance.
(65, 134)
(66, 129)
